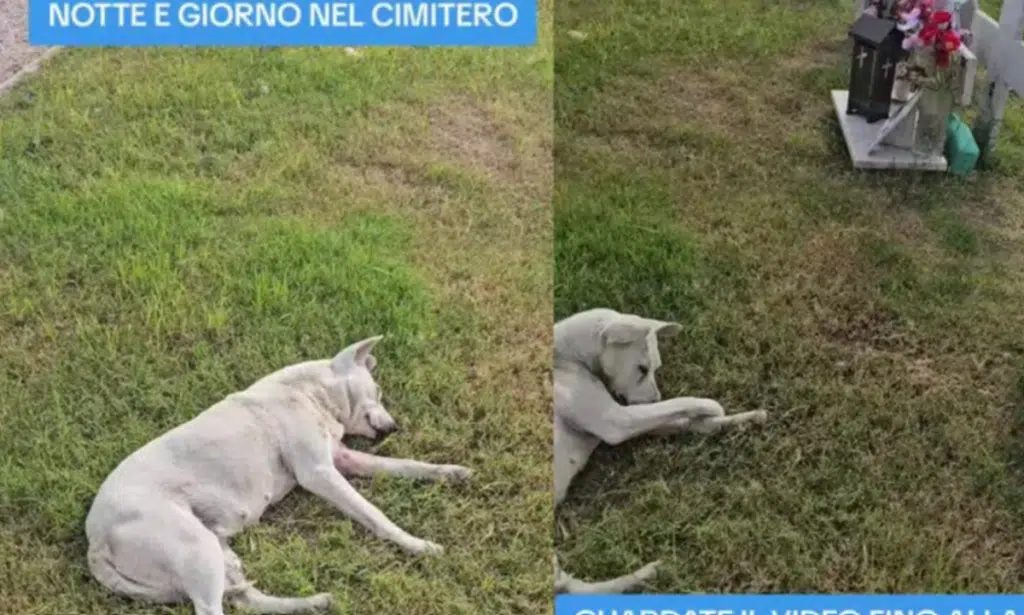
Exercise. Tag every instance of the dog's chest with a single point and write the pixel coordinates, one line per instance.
(572, 451)
(573, 448)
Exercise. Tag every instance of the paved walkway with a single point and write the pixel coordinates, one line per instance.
(15, 52)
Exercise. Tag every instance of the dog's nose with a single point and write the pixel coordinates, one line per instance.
(388, 429)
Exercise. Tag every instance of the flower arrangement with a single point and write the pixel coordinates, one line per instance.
(933, 38)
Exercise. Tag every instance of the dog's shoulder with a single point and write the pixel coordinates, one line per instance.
(284, 405)
(577, 391)
(287, 404)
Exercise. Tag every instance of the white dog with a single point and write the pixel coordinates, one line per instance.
(605, 391)
(159, 526)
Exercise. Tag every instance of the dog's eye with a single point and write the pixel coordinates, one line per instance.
(644, 370)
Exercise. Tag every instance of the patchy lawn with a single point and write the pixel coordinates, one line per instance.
(700, 176)
(176, 224)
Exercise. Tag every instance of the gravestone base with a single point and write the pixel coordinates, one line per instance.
(894, 152)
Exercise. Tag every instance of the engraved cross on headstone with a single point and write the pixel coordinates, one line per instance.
(863, 55)
(886, 68)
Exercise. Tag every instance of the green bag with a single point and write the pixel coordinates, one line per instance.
(961, 150)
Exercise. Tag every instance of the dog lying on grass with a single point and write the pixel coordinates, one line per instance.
(605, 391)
(159, 526)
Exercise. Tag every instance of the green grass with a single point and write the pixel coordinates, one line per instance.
(700, 176)
(175, 224)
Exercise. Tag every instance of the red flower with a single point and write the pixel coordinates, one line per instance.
(948, 42)
(929, 34)
(938, 23)
(941, 20)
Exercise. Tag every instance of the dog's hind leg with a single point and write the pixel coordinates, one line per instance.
(200, 570)
(169, 551)
(566, 584)
(242, 594)
(258, 602)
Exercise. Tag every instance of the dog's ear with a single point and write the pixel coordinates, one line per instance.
(623, 331)
(356, 354)
(666, 329)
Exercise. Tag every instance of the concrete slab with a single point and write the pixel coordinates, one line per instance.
(860, 136)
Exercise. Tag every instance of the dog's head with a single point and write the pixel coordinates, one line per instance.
(354, 392)
(629, 356)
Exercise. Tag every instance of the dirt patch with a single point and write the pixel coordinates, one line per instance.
(1002, 211)
(674, 96)
(823, 54)
(667, 102)
(470, 136)
(842, 301)
(664, 118)
(15, 52)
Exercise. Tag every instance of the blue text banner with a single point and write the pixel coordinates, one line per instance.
(784, 604)
(233, 23)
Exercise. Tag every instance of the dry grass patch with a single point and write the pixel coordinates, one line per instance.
(468, 134)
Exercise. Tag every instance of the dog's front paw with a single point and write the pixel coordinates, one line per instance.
(648, 572)
(425, 547)
(760, 417)
(454, 473)
(705, 427)
(321, 602)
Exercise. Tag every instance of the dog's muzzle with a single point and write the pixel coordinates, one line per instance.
(386, 431)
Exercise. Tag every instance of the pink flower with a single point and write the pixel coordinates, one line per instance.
(911, 42)
(911, 20)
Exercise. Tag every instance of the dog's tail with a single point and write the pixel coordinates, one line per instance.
(103, 570)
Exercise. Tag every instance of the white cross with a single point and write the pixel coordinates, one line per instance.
(885, 68)
(860, 59)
